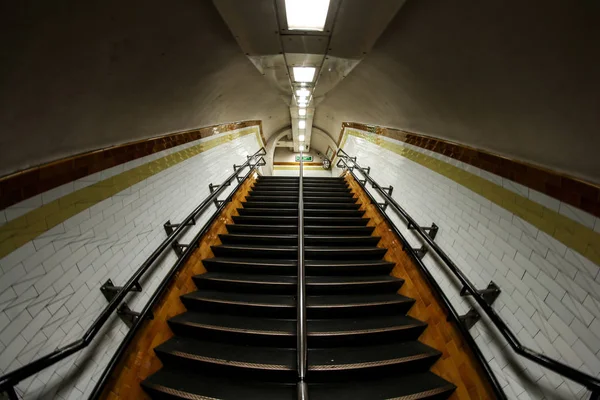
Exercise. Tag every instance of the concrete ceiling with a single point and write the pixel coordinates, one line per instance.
(519, 78)
(78, 76)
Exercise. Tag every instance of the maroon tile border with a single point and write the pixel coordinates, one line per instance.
(570, 190)
(24, 184)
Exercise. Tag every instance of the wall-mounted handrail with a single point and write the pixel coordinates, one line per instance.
(590, 382)
(8, 381)
(301, 298)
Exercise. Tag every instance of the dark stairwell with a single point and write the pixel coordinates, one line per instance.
(238, 336)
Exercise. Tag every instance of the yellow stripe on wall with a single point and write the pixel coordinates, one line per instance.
(570, 233)
(21, 230)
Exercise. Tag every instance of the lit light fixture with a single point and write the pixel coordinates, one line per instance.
(302, 99)
(302, 112)
(301, 147)
(301, 138)
(306, 15)
(302, 124)
(304, 74)
(303, 92)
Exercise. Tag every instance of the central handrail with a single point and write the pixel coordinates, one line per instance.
(301, 298)
(8, 381)
(590, 382)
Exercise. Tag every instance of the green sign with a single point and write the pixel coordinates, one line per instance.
(304, 158)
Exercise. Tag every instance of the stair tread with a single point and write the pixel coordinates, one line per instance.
(287, 301)
(186, 385)
(292, 280)
(287, 327)
(284, 359)
(291, 247)
(277, 262)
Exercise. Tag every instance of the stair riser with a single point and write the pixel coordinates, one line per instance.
(223, 370)
(262, 230)
(293, 270)
(399, 369)
(319, 193)
(292, 241)
(239, 309)
(270, 253)
(294, 212)
(294, 205)
(288, 339)
(348, 311)
(225, 335)
(291, 289)
(313, 221)
(290, 312)
(306, 186)
(307, 199)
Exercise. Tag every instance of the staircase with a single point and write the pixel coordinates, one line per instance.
(238, 338)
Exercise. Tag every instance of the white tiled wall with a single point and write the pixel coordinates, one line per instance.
(49, 288)
(550, 294)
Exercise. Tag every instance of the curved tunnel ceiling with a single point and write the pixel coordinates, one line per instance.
(79, 76)
(516, 78)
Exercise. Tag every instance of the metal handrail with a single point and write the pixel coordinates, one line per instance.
(590, 382)
(8, 381)
(301, 298)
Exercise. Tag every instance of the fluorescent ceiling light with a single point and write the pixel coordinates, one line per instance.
(303, 92)
(302, 112)
(301, 147)
(301, 138)
(304, 74)
(302, 99)
(306, 15)
(302, 124)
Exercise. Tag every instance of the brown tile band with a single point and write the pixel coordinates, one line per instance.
(570, 190)
(24, 184)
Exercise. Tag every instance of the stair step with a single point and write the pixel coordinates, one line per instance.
(293, 229)
(293, 220)
(294, 205)
(307, 199)
(181, 384)
(290, 267)
(292, 239)
(274, 362)
(285, 194)
(284, 306)
(295, 189)
(267, 211)
(282, 332)
(310, 252)
(288, 284)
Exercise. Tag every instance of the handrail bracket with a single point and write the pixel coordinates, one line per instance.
(109, 290)
(170, 228)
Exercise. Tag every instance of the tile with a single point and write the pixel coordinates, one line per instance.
(536, 286)
(545, 200)
(14, 328)
(563, 329)
(550, 285)
(584, 353)
(586, 335)
(577, 215)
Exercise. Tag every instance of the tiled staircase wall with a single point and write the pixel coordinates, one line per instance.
(49, 286)
(550, 286)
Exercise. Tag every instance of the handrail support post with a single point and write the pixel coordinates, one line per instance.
(129, 316)
(170, 228)
(489, 294)
(109, 290)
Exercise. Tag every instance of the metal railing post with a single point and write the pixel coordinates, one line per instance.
(301, 298)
